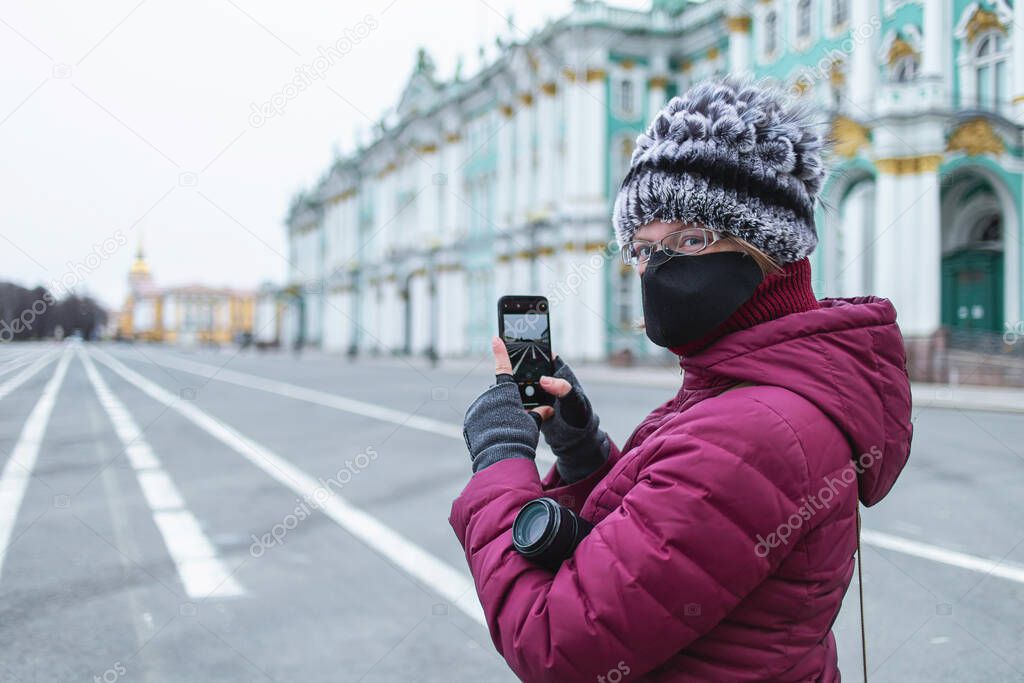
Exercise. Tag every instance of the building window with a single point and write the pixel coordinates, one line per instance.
(905, 69)
(840, 12)
(626, 99)
(803, 20)
(989, 231)
(990, 58)
(771, 32)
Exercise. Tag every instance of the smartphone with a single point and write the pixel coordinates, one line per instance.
(524, 326)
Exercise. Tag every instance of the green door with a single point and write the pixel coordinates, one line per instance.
(972, 290)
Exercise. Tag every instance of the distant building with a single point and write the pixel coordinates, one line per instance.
(192, 314)
(503, 182)
(269, 312)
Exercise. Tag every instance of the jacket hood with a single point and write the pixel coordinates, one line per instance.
(848, 358)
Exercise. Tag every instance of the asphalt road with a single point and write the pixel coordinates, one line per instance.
(164, 516)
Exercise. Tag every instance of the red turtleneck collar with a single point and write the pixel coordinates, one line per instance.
(779, 294)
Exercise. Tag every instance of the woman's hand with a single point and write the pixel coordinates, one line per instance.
(571, 427)
(497, 426)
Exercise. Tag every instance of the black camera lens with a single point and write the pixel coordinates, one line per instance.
(542, 306)
(547, 533)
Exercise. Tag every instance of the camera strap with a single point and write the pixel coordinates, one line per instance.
(860, 588)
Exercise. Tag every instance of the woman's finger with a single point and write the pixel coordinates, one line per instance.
(502, 364)
(555, 386)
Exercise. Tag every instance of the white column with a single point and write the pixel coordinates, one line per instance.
(565, 313)
(521, 122)
(887, 260)
(545, 103)
(935, 39)
(934, 67)
(926, 248)
(592, 119)
(739, 43)
(574, 134)
(863, 69)
(593, 330)
(1017, 65)
(908, 248)
(657, 82)
(850, 222)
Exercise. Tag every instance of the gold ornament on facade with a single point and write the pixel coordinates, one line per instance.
(627, 64)
(549, 88)
(526, 98)
(428, 148)
(981, 21)
(850, 137)
(658, 82)
(836, 74)
(507, 110)
(974, 137)
(740, 24)
(801, 85)
(454, 136)
(899, 49)
(569, 73)
(712, 54)
(595, 74)
(925, 163)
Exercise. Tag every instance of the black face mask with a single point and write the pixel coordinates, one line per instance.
(685, 297)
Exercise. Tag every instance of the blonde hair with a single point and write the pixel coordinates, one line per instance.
(767, 264)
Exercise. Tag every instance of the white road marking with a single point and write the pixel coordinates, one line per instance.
(906, 546)
(1000, 568)
(449, 583)
(19, 466)
(328, 400)
(26, 374)
(201, 571)
(10, 365)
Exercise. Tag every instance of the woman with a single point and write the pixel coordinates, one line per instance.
(726, 525)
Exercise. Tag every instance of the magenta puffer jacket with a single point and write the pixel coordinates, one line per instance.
(725, 527)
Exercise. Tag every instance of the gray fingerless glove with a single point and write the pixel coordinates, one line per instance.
(497, 427)
(573, 433)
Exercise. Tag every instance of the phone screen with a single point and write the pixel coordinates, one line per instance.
(527, 337)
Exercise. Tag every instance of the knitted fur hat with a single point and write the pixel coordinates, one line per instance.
(734, 155)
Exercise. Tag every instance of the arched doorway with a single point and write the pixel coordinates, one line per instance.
(975, 219)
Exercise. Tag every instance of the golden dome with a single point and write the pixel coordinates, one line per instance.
(140, 267)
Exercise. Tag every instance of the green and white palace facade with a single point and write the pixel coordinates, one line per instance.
(502, 182)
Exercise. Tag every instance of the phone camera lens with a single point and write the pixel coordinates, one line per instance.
(542, 306)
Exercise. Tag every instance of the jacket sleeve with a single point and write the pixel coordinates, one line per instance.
(663, 568)
(573, 495)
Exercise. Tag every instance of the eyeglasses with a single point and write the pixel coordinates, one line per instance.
(685, 242)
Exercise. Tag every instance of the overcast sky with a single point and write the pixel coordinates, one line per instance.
(123, 120)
